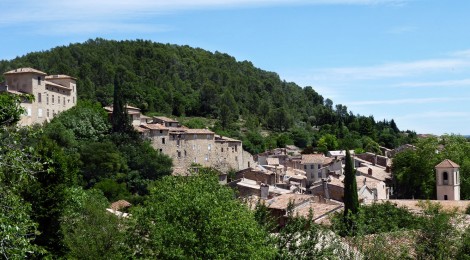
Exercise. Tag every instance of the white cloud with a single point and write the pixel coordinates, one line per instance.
(407, 101)
(446, 83)
(437, 115)
(22, 11)
(392, 70)
(100, 27)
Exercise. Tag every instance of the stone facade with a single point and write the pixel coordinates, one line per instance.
(447, 180)
(199, 146)
(52, 94)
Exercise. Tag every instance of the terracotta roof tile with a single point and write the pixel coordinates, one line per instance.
(155, 127)
(313, 158)
(120, 204)
(447, 164)
(24, 70)
(60, 76)
(165, 119)
(199, 131)
(282, 201)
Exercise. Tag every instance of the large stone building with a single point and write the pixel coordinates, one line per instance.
(52, 93)
(190, 146)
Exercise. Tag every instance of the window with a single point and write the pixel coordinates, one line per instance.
(161, 150)
(206, 158)
(445, 178)
(305, 167)
(179, 154)
(209, 147)
(319, 175)
(163, 140)
(319, 166)
(39, 80)
(445, 197)
(39, 112)
(222, 149)
(48, 113)
(53, 99)
(161, 131)
(47, 98)
(185, 153)
(311, 166)
(58, 99)
(39, 98)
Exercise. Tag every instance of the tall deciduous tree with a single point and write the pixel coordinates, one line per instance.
(196, 218)
(351, 202)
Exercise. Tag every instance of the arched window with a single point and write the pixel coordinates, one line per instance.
(445, 178)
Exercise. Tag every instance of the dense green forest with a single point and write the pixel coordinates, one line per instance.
(191, 82)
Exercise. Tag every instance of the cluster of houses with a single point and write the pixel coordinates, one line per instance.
(280, 177)
(189, 147)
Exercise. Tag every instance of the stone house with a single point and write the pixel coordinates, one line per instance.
(52, 93)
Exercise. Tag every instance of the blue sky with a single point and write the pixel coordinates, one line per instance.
(402, 59)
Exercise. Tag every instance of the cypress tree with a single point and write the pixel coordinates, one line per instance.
(120, 118)
(351, 202)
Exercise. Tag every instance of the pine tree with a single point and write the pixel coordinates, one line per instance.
(351, 202)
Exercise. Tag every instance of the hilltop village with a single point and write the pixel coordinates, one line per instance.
(288, 181)
(266, 175)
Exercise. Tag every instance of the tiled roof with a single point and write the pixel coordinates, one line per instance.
(48, 83)
(272, 161)
(378, 173)
(120, 204)
(225, 139)
(24, 70)
(313, 158)
(318, 209)
(60, 76)
(199, 131)
(294, 173)
(155, 127)
(141, 129)
(447, 164)
(282, 201)
(165, 119)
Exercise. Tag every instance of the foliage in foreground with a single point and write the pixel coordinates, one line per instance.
(194, 217)
(87, 227)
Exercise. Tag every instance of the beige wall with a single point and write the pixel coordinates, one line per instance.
(452, 188)
(186, 149)
(49, 100)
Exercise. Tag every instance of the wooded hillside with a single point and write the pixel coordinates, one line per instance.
(185, 81)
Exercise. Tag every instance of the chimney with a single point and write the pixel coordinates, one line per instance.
(369, 171)
(264, 191)
(325, 189)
